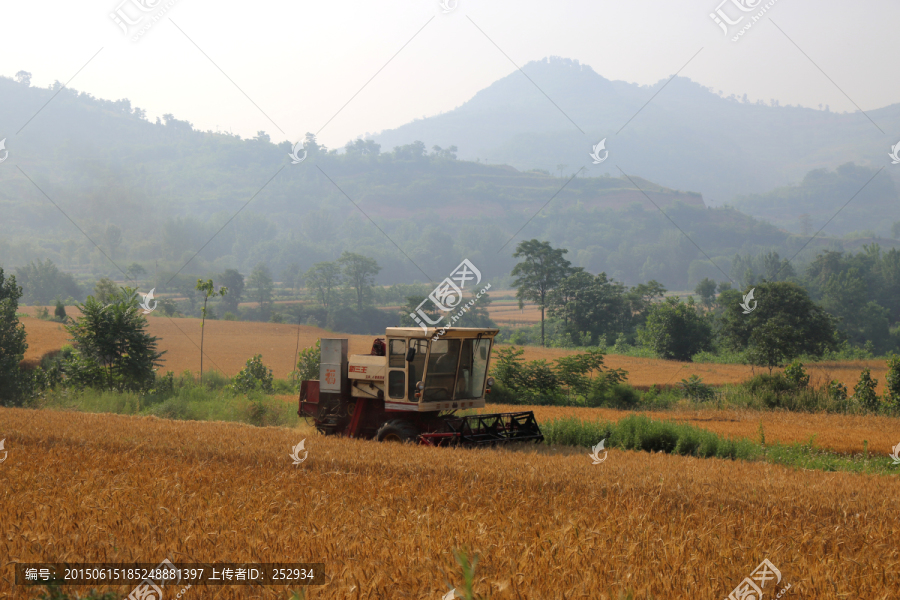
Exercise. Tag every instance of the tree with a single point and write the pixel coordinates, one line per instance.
(359, 273)
(675, 330)
(113, 337)
(135, 270)
(592, 305)
(292, 275)
(784, 324)
(542, 270)
(105, 290)
(706, 289)
(12, 342)
(42, 282)
(234, 281)
(23, 77)
(260, 281)
(322, 280)
(208, 290)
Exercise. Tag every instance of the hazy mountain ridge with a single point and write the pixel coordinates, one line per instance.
(687, 137)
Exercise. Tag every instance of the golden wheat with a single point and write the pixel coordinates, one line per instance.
(385, 518)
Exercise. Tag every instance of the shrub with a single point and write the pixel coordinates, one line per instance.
(796, 374)
(254, 376)
(308, 362)
(60, 311)
(837, 391)
(675, 330)
(864, 390)
(696, 390)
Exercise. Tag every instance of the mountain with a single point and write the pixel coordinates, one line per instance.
(686, 137)
(93, 186)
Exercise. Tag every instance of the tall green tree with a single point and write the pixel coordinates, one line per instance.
(784, 324)
(323, 279)
(359, 273)
(113, 336)
(234, 281)
(540, 272)
(706, 289)
(260, 281)
(208, 289)
(12, 342)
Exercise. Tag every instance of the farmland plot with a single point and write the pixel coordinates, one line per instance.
(385, 519)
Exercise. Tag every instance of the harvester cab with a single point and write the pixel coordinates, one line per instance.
(409, 387)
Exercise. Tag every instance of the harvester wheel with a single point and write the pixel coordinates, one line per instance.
(397, 431)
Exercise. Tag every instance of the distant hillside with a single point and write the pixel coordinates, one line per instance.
(157, 193)
(806, 206)
(687, 137)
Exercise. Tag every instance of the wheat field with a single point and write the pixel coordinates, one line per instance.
(546, 523)
(228, 345)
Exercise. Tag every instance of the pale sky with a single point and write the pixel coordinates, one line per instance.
(301, 61)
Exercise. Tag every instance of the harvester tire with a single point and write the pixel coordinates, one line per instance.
(397, 431)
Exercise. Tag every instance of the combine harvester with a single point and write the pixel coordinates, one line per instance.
(429, 377)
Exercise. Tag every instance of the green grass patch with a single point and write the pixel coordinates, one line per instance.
(185, 403)
(639, 432)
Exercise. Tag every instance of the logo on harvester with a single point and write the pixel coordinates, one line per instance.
(597, 450)
(297, 450)
(746, 303)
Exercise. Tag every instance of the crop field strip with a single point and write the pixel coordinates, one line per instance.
(229, 344)
(844, 434)
(384, 518)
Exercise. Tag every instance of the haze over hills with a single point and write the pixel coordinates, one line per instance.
(687, 137)
(157, 193)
